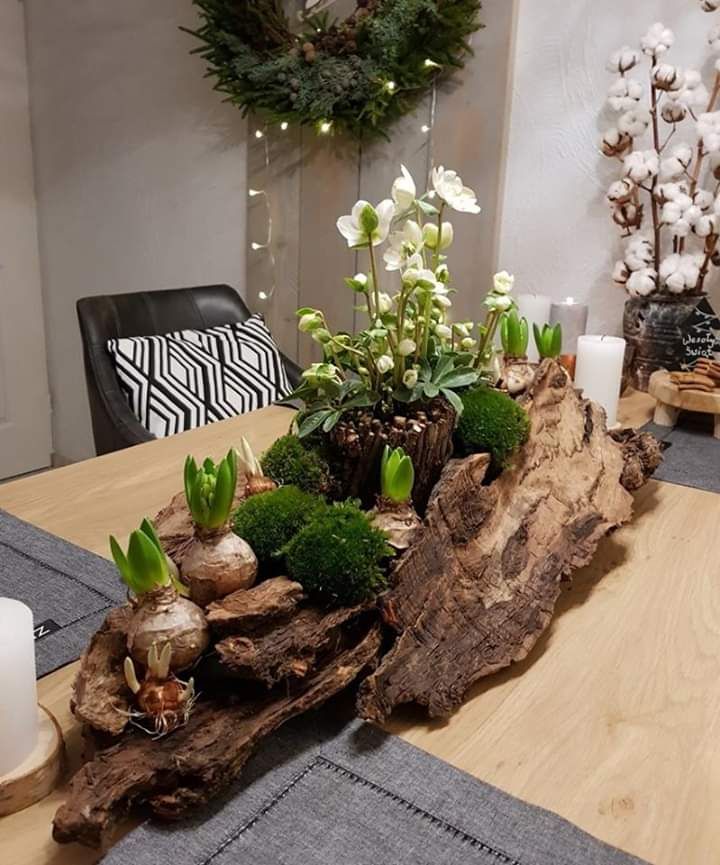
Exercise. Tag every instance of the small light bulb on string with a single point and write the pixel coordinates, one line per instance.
(253, 193)
(325, 127)
(284, 126)
(257, 246)
(262, 295)
(259, 134)
(425, 129)
(390, 86)
(430, 64)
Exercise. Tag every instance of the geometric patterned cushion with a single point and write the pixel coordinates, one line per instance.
(190, 378)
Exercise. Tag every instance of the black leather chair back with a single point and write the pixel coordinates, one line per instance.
(144, 313)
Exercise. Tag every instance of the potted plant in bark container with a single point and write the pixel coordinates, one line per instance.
(396, 382)
(667, 140)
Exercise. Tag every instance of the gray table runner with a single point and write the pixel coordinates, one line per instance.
(320, 794)
(68, 589)
(693, 456)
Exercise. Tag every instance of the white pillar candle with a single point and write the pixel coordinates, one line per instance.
(572, 318)
(18, 689)
(598, 372)
(536, 309)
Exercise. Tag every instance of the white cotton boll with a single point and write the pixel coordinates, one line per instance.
(634, 122)
(657, 40)
(671, 168)
(641, 165)
(673, 112)
(708, 125)
(703, 199)
(624, 94)
(710, 5)
(623, 60)
(638, 255)
(671, 212)
(668, 77)
(669, 265)
(712, 142)
(615, 143)
(620, 191)
(713, 39)
(676, 283)
(683, 153)
(642, 282)
(704, 226)
(621, 273)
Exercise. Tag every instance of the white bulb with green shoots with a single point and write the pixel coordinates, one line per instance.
(514, 337)
(218, 562)
(161, 614)
(394, 513)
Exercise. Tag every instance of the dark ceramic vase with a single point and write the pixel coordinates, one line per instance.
(652, 327)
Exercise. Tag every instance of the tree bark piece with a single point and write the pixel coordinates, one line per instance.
(642, 454)
(249, 610)
(479, 586)
(288, 650)
(100, 695)
(180, 773)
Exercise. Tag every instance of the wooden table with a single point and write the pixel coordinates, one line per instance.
(614, 719)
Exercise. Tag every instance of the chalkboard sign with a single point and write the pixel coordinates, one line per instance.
(700, 334)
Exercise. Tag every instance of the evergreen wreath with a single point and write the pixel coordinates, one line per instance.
(354, 76)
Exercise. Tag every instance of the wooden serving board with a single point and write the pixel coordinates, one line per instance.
(671, 401)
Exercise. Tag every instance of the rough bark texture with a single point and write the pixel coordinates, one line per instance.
(479, 586)
(642, 454)
(288, 650)
(100, 696)
(179, 774)
(249, 610)
(356, 445)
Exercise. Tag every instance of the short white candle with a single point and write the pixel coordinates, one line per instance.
(598, 372)
(18, 689)
(572, 318)
(536, 309)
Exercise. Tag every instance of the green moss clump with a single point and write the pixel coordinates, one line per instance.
(289, 461)
(337, 556)
(268, 521)
(492, 422)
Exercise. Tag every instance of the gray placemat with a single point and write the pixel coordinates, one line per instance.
(68, 589)
(320, 794)
(693, 456)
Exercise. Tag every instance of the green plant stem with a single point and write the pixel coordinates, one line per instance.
(491, 324)
(373, 270)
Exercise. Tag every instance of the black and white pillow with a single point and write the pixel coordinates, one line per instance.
(190, 378)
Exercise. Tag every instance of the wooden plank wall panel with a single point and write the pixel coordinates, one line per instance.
(314, 179)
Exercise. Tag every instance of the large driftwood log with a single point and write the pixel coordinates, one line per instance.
(180, 773)
(249, 610)
(289, 649)
(479, 586)
(100, 696)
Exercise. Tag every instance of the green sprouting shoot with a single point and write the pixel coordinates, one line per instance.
(210, 490)
(514, 334)
(548, 340)
(397, 475)
(145, 566)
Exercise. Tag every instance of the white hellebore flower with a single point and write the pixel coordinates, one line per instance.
(403, 245)
(430, 235)
(404, 190)
(443, 331)
(449, 186)
(624, 94)
(623, 60)
(367, 224)
(680, 272)
(498, 302)
(634, 122)
(641, 165)
(642, 282)
(410, 378)
(406, 347)
(384, 302)
(503, 282)
(384, 363)
(657, 40)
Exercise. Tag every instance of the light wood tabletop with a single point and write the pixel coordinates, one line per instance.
(613, 721)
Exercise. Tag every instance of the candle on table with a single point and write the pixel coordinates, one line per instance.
(18, 690)
(572, 317)
(598, 371)
(536, 309)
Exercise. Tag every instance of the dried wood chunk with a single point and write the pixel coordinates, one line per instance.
(250, 609)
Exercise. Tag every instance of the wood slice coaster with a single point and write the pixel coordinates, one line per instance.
(671, 401)
(39, 773)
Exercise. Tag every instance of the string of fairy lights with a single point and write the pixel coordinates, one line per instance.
(323, 127)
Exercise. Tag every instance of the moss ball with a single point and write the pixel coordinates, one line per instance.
(289, 461)
(492, 422)
(269, 520)
(337, 555)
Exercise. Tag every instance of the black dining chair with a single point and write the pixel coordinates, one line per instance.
(145, 313)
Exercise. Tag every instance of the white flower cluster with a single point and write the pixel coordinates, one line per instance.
(681, 272)
(684, 213)
(641, 165)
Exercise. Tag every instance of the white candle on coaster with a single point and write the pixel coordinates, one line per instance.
(536, 309)
(598, 372)
(572, 317)
(18, 689)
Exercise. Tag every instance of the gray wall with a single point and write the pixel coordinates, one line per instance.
(139, 169)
